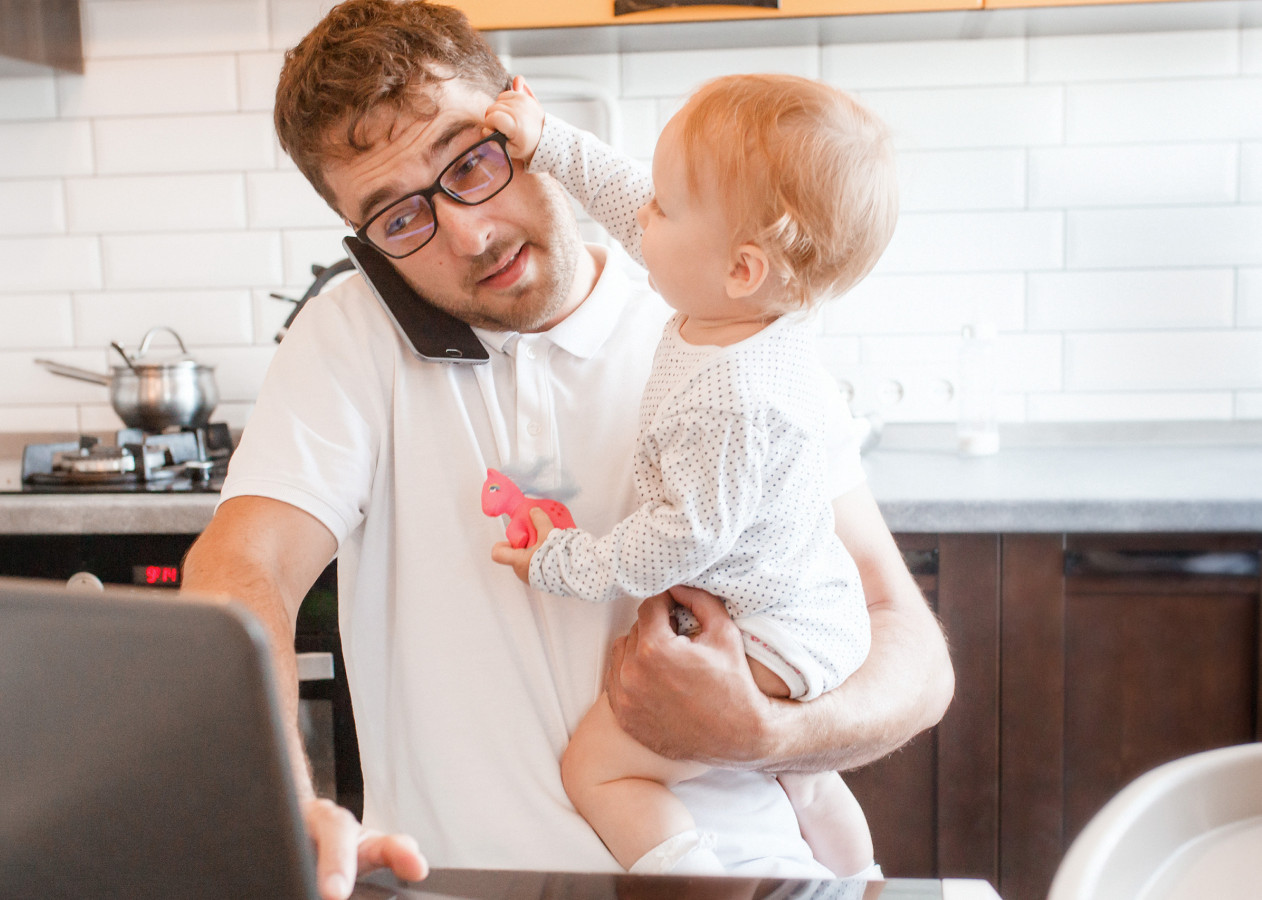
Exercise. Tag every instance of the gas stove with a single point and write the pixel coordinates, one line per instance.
(191, 460)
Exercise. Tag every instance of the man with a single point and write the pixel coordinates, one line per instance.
(467, 685)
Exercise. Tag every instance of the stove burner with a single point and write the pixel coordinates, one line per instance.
(96, 462)
(190, 460)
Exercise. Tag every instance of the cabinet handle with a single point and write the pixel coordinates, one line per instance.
(1162, 562)
(316, 666)
(921, 562)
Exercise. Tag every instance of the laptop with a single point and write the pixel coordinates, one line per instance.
(142, 757)
(141, 753)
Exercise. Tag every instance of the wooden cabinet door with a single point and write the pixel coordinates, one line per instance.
(1119, 653)
(1161, 656)
(932, 805)
(1032, 714)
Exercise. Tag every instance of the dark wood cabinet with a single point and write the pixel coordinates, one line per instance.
(1081, 662)
(1120, 653)
(933, 805)
(44, 32)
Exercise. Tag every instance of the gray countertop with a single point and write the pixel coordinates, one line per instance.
(1198, 482)
(1187, 477)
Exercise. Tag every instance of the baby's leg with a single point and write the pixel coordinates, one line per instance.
(621, 787)
(831, 820)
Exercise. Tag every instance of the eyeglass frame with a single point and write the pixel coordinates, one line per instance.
(427, 194)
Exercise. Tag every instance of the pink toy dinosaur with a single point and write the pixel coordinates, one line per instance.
(500, 496)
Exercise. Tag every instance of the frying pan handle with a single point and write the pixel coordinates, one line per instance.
(73, 372)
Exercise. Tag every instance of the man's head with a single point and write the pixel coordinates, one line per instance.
(803, 171)
(378, 100)
(372, 59)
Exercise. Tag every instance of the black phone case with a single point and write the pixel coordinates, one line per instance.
(432, 334)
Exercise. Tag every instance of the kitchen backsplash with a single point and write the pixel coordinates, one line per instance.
(1097, 197)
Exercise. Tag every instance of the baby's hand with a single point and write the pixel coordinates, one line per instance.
(506, 554)
(519, 117)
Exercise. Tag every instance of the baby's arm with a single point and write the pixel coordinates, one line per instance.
(690, 524)
(609, 186)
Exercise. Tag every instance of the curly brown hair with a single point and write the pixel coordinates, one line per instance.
(367, 57)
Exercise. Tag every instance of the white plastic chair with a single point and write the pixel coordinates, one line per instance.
(1188, 830)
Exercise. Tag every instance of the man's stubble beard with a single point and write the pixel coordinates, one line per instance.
(554, 253)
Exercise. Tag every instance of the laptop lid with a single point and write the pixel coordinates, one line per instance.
(141, 751)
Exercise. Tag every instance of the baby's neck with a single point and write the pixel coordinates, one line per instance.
(722, 332)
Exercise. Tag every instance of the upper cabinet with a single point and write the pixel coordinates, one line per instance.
(1010, 4)
(513, 14)
(500, 14)
(38, 34)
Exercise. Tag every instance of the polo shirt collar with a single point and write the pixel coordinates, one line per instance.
(583, 332)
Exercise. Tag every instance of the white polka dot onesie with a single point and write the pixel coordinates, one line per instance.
(729, 470)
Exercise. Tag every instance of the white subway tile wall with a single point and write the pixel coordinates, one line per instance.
(1097, 197)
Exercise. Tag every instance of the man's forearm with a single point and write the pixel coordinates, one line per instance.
(891, 698)
(234, 559)
(695, 699)
(902, 688)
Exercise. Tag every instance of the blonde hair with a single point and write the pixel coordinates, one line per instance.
(804, 172)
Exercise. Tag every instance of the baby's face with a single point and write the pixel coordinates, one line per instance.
(686, 246)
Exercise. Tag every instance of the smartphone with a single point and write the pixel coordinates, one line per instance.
(432, 334)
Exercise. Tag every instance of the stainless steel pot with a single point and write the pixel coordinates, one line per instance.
(154, 396)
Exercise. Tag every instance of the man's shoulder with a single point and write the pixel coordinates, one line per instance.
(345, 312)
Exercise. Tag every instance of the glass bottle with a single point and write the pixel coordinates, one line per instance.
(978, 426)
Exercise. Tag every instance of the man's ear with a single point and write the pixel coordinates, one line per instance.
(750, 268)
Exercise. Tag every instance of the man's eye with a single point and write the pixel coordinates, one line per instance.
(469, 174)
(467, 166)
(397, 223)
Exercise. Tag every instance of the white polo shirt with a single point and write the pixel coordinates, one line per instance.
(467, 684)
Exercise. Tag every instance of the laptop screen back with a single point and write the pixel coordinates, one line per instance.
(141, 754)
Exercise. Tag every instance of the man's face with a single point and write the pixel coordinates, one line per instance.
(507, 264)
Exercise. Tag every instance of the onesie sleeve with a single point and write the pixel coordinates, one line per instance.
(611, 187)
(711, 469)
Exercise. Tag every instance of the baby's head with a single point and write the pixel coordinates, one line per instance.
(801, 170)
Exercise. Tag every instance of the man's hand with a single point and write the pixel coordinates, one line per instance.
(346, 849)
(696, 698)
(703, 680)
(506, 554)
(518, 116)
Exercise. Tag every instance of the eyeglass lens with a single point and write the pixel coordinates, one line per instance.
(472, 178)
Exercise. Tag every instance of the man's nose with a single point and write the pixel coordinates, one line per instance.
(468, 229)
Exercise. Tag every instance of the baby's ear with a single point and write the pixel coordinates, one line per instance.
(750, 268)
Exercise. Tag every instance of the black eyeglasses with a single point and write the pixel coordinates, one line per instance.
(474, 177)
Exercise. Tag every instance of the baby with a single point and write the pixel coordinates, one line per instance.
(768, 195)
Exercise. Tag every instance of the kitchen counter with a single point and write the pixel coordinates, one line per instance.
(1176, 477)
(105, 513)
(115, 513)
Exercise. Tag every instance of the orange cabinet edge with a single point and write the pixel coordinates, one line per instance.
(490, 15)
(1028, 4)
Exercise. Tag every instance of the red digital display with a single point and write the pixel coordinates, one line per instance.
(156, 576)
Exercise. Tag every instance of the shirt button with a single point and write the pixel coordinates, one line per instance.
(533, 429)
(530, 352)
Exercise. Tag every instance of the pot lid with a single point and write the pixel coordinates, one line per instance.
(142, 359)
